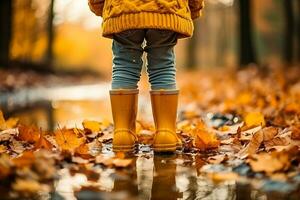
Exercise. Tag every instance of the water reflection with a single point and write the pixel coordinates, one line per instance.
(151, 177)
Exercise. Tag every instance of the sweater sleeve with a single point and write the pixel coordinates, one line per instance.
(196, 7)
(96, 6)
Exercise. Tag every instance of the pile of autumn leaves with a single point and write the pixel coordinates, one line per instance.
(266, 138)
(30, 157)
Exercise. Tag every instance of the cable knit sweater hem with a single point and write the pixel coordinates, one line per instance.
(153, 20)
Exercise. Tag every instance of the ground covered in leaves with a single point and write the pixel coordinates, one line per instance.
(241, 126)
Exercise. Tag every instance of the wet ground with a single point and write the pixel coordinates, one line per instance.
(175, 176)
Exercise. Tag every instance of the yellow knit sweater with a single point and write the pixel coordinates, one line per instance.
(121, 15)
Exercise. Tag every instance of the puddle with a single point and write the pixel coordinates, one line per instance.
(151, 176)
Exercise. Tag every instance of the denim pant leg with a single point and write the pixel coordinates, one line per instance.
(161, 58)
(127, 59)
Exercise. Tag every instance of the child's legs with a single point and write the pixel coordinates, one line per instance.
(161, 58)
(127, 59)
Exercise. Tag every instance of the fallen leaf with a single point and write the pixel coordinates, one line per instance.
(265, 134)
(91, 126)
(217, 159)
(270, 162)
(83, 151)
(255, 119)
(5, 166)
(67, 139)
(24, 160)
(295, 132)
(29, 187)
(203, 139)
(8, 124)
(28, 133)
(43, 143)
(8, 134)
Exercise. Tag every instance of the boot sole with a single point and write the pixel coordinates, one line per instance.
(165, 148)
(124, 148)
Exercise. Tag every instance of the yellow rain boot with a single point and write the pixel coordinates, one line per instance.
(124, 110)
(164, 108)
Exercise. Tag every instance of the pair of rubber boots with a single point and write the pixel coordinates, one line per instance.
(124, 104)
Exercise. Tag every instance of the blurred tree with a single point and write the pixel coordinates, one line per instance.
(5, 30)
(192, 49)
(50, 34)
(247, 51)
(291, 31)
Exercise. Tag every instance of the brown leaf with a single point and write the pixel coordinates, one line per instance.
(295, 132)
(217, 159)
(265, 134)
(270, 162)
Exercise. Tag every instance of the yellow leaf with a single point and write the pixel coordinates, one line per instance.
(8, 124)
(67, 139)
(92, 126)
(255, 119)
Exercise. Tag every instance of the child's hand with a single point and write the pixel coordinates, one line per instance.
(96, 6)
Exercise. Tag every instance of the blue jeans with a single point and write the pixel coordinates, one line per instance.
(127, 58)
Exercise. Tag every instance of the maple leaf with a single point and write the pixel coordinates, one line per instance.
(67, 139)
(29, 134)
(10, 123)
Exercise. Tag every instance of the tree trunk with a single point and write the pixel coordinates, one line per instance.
(288, 31)
(50, 35)
(247, 51)
(5, 33)
(191, 49)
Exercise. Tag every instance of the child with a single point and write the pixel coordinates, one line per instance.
(160, 23)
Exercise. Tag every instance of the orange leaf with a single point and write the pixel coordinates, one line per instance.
(205, 139)
(83, 151)
(25, 159)
(43, 143)
(28, 133)
(67, 139)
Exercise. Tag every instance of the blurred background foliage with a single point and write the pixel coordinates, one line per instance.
(65, 35)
